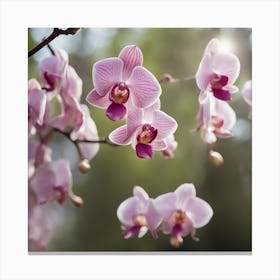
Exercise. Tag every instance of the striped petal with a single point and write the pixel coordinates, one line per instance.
(131, 56)
(106, 73)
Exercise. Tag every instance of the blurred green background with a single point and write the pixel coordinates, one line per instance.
(116, 170)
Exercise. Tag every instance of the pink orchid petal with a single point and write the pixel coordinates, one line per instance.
(79, 120)
(200, 212)
(127, 210)
(143, 199)
(183, 193)
(63, 175)
(144, 151)
(60, 122)
(73, 115)
(226, 64)
(62, 57)
(247, 92)
(91, 130)
(224, 110)
(171, 144)
(134, 120)
(145, 88)
(33, 84)
(119, 136)
(231, 88)
(207, 108)
(166, 204)
(204, 72)
(89, 150)
(159, 145)
(106, 73)
(71, 85)
(165, 125)
(213, 46)
(43, 154)
(202, 96)
(116, 112)
(131, 56)
(96, 100)
(140, 193)
(167, 226)
(40, 228)
(152, 215)
(149, 111)
(187, 227)
(37, 101)
(43, 182)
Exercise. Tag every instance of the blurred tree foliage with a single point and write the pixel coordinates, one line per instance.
(115, 171)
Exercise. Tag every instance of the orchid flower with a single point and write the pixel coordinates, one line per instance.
(138, 214)
(146, 131)
(72, 119)
(182, 213)
(52, 70)
(53, 182)
(122, 83)
(217, 72)
(215, 119)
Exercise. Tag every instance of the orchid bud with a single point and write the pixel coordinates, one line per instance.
(216, 158)
(167, 78)
(84, 166)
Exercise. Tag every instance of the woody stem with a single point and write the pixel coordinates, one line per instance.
(56, 32)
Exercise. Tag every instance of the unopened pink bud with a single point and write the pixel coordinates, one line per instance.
(84, 166)
(216, 158)
(167, 78)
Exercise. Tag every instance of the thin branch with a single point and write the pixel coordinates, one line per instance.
(76, 143)
(168, 79)
(104, 140)
(56, 32)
